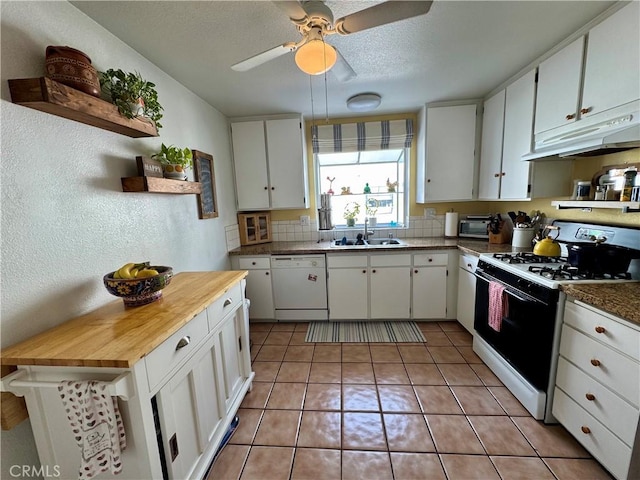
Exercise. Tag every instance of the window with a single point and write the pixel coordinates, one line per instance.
(376, 180)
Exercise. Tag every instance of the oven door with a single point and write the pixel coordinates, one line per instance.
(525, 339)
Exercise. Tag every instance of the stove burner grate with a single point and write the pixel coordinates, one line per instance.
(567, 272)
(527, 257)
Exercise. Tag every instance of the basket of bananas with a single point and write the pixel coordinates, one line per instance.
(138, 283)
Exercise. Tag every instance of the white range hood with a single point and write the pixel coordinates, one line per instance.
(589, 137)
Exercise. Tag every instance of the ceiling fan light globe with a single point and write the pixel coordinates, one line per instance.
(316, 57)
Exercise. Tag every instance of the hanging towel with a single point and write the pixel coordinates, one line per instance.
(498, 305)
(97, 426)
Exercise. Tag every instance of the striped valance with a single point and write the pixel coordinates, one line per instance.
(361, 136)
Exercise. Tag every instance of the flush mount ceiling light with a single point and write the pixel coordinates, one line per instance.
(316, 56)
(364, 102)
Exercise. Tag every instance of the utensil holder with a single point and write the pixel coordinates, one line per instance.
(503, 235)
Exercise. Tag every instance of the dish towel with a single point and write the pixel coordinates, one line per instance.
(498, 305)
(97, 426)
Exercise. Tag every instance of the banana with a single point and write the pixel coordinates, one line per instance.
(125, 270)
(134, 272)
(147, 272)
(116, 274)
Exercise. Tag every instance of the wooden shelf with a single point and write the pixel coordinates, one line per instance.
(52, 97)
(626, 207)
(159, 185)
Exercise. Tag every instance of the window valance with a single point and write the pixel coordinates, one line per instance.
(362, 136)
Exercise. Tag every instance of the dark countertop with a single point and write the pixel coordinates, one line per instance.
(620, 299)
(474, 247)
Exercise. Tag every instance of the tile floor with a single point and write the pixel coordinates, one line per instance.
(388, 411)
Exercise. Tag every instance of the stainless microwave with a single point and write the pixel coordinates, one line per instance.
(474, 228)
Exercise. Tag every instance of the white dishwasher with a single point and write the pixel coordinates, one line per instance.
(299, 287)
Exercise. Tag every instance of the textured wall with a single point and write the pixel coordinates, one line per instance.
(65, 220)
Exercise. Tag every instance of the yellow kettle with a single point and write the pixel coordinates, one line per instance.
(548, 247)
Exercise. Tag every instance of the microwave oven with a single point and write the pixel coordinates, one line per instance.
(474, 227)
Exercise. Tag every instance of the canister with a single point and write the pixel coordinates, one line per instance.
(584, 190)
(522, 237)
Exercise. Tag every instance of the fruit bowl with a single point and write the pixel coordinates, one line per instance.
(139, 291)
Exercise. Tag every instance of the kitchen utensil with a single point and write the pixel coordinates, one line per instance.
(548, 247)
(598, 257)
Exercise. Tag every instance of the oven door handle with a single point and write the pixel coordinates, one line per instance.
(509, 290)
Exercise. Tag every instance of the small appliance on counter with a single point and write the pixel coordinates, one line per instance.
(324, 213)
(475, 226)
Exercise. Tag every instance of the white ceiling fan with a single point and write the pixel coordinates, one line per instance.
(314, 21)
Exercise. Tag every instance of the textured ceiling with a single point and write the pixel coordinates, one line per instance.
(459, 50)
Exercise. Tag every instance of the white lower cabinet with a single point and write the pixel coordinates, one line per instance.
(390, 286)
(259, 286)
(467, 290)
(348, 287)
(597, 392)
(429, 289)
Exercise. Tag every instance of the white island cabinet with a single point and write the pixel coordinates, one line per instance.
(179, 368)
(597, 392)
(270, 164)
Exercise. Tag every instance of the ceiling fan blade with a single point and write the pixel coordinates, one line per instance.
(381, 14)
(264, 57)
(342, 70)
(293, 9)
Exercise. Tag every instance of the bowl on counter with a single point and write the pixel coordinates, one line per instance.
(139, 291)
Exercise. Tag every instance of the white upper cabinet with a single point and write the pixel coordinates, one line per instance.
(559, 87)
(269, 163)
(612, 66)
(446, 153)
(491, 151)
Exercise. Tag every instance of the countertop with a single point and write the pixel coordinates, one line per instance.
(475, 247)
(620, 299)
(116, 336)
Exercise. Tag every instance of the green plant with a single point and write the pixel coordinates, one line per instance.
(172, 155)
(371, 207)
(129, 88)
(351, 210)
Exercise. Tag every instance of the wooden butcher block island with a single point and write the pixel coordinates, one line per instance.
(179, 368)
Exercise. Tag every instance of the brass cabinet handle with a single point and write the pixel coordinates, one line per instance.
(415, 271)
(266, 273)
(571, 116)
(469, 265)
(364, 271)
(253, 263)
(585, 429)
(600, 329)
(496, 175)
(184, 341)
(590, 396)
(595, 362)
(266, 188)
(373, 271)
(428, 180)
(585, 110)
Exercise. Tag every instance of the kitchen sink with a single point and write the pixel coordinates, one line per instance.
(373, 242)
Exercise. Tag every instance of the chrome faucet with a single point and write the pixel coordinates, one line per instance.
(367, 232)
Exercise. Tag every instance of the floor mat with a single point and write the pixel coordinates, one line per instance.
(373, 332)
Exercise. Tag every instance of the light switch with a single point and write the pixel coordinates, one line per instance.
(305, 220)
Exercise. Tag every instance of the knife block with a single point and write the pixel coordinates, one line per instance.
(503, 236)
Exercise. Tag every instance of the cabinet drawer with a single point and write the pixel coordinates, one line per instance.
(428, 259)
(346, 261)
(599, 441)
(254, 263)
(616, 371)
(603, 329)
(468, 262)
(176, 349)
(228, 302)
(389, 260)
(607, 407)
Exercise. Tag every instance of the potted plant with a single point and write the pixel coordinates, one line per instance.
(132, 94)
(351, 211)
(371, 207)
(174, 161)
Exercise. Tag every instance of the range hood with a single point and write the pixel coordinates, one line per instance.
(588, 138)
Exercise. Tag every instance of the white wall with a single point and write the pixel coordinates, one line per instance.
(65, 220)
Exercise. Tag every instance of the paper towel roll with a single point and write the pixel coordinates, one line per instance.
(451, 224)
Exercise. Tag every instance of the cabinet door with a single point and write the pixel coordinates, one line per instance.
(518, 130)
(491, 151)
(450, 152)
(429, 292)
(466, 298)
(250, 165)
(260, 292)
(559, 87)
(229, 337)
(286, 163)
(348, 293)
(390, 292)
(189, 412)
(612, 66)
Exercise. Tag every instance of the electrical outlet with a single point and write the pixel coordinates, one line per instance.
(305, 220)
(429, 213)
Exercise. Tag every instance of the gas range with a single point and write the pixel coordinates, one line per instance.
(550, 272)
